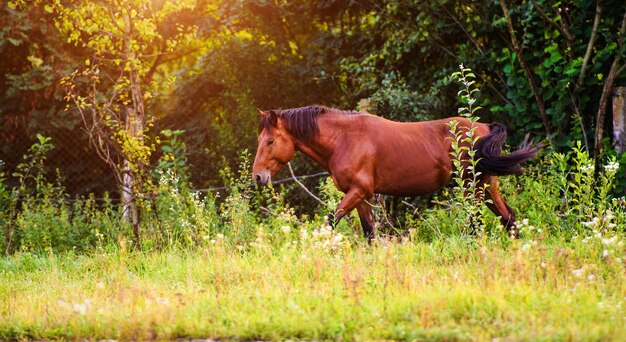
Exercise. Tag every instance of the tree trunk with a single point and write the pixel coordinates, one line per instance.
(616, 69)
(131, 212)
(133, 166)
(604, 99)
(619, 119)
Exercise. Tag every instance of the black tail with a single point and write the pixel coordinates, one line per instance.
(489, 150)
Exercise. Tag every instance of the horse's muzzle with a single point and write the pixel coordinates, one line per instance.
(261, 178)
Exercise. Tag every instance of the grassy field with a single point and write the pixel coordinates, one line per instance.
(322, 286)
(249, 268)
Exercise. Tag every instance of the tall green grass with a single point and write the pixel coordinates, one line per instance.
(307, 287)
(223, 268)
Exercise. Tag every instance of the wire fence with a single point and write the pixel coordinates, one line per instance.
(276, 182)
(73, 165)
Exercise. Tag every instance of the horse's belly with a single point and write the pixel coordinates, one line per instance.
(412, 180)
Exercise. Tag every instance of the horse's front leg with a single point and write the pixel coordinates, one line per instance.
(365, 215)
(355, 197)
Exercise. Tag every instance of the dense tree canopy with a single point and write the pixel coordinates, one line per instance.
(544, 67)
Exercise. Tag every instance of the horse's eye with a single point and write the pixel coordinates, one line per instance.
(270, 142)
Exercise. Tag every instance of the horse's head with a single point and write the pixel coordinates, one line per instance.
(276, 148)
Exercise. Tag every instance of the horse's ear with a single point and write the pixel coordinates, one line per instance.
(273, 118)
(262, 114)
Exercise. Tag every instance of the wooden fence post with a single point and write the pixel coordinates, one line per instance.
(619, 118)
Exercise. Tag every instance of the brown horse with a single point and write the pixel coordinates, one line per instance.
(367, 154)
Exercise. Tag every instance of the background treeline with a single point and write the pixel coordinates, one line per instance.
(79, 72)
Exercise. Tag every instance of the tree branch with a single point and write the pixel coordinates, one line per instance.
(562, 30)
(293, 176)
(458, 23)
(592, 41)
(527, 71)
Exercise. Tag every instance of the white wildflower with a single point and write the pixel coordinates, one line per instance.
(81, 308)
(609, 241)
(589, 168)
(578, 273)
(591, 223)
(286, 229)
(611, 167)
(337, 241)
(304, 234)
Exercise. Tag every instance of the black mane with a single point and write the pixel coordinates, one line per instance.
(301, 122)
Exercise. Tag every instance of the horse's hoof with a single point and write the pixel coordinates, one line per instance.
(330, 220)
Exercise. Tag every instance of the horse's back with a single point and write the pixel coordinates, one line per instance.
(414, 158)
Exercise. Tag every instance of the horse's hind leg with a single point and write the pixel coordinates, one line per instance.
(500, 208)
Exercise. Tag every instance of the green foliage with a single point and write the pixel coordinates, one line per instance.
(469, 193)
(174, 154)
(31, 171)
(180, 217)
(205, 66)
(237, 209)
(200, 254)
(37, 217)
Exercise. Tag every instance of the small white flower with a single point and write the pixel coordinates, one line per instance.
(587, 168)
(609, 241)
(286, 229)
(81, 308)
(578, 272)
(336, 241)
(612, 167)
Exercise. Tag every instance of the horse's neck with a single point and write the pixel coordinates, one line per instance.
(324, 145)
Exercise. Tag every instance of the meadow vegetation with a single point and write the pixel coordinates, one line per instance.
(245, 265)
